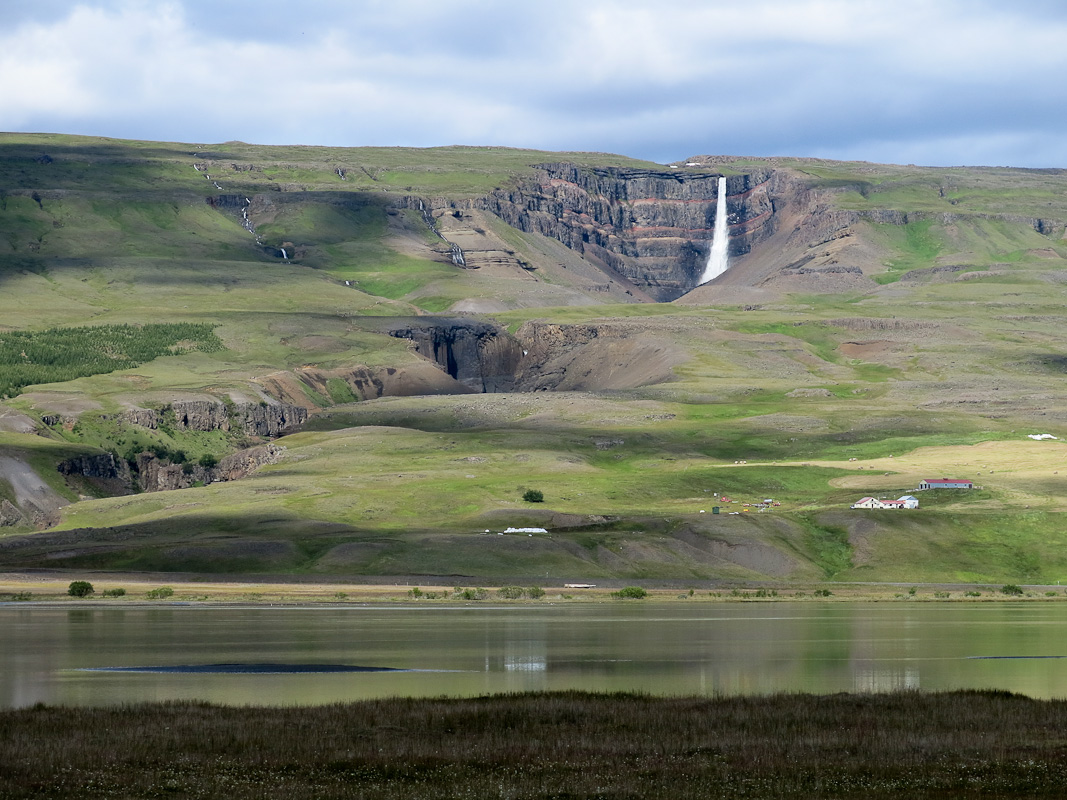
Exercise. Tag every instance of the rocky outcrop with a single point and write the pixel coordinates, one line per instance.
(652, 228)
(10, 515)
(269, 419)
(159, 475)
(104, 467)
(266, 420)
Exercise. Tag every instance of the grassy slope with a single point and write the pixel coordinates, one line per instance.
(120, 232)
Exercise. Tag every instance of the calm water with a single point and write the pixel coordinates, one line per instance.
(55, 655)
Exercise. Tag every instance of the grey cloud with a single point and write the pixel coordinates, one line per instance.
(925, 83)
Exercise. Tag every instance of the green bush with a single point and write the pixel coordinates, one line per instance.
(631, 593)
(1012, 589)
(460, 593)
(80, 589)
(511, 592)
(207, 461)
(535, 592)
(533, 496)
(823, 593)
(119, 592)
(162, 593)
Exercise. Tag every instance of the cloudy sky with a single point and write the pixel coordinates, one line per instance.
(937, 82)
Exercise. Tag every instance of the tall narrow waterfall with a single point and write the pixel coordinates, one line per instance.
(718, 258)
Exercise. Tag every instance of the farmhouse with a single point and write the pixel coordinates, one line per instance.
(907, 501)
(945, 483)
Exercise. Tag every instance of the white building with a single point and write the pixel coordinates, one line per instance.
(907, 501)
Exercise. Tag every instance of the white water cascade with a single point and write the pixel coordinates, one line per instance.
(284, 256)
(718, 258)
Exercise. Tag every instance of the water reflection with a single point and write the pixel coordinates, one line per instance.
(85, 655)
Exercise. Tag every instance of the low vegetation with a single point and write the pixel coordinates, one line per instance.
(875, 747)
(57, 355)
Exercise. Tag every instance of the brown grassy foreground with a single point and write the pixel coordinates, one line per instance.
(567, 745)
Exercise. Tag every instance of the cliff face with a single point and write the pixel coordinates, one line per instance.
(542, 356)
(652, 228)
(480, 356)
(266, 420)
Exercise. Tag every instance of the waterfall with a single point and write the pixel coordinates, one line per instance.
(284, 256)
(718, 258)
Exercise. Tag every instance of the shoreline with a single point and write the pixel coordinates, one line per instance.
(36, 588)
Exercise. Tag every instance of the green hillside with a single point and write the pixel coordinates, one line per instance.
(180, 300)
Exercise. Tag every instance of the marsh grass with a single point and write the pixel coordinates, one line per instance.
(970, 743)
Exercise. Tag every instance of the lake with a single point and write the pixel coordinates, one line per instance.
(270, 655)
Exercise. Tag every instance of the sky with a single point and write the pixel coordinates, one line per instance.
(932, 82)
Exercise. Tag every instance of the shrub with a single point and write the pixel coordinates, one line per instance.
(631, 593)
(1012, 589)
(162, 593)
(207, 461)
(415, 593)
(823, 593)
(80, 589)
(533, 496)
(119, 592)
(518, 592)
